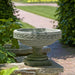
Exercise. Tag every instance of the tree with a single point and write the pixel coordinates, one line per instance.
(66, 18)
(6, 10)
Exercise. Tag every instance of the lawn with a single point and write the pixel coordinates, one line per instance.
(46, 11)
(26, 25)
(29, 1)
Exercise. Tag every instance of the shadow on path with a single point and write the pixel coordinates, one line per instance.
(58, 51)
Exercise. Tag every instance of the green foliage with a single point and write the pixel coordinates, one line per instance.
(66, 18)
(5, 56)
(8, 23)
(8, 71)
(6, 10)
(26, 25)
(6, 31)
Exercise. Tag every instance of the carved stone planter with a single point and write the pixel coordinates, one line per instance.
(37, 38)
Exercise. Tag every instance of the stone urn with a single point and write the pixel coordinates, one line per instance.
(37, 38)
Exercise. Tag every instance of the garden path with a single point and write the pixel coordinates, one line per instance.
(33, 4)
(35, 20)
(62, 55)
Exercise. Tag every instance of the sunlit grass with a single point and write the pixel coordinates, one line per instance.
(26, 25)
(45, 11)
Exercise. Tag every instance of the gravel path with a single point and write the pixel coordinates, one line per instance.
(34, 4)
(36, 20)
(63, 55)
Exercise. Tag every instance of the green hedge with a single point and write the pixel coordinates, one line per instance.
(66, 18)
(6, 10)
(8, 22)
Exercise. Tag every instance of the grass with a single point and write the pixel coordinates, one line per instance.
(26, 25)
(21, 1)
(33, 1)
(45, 11)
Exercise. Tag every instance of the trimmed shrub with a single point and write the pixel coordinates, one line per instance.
(66, 18)
(8, 23)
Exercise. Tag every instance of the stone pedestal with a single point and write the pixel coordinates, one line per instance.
(37, 58)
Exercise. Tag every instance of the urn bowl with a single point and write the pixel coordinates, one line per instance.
(37, 37)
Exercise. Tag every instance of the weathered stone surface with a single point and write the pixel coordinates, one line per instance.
(48, 74)
(24, 73)
(32, 73)
(54, 69)
(37, 38)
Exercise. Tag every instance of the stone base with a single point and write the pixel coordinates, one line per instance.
(37, 63)
(32, 73)
(37, 60)
(48, 74)
(55, 69)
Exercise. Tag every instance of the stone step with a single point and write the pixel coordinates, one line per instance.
(54, 69)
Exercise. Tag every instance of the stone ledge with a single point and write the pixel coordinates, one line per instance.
(23, 73)
(25, 50)
(55, 69)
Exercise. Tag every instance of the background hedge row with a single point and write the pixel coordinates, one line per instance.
(66, 18)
